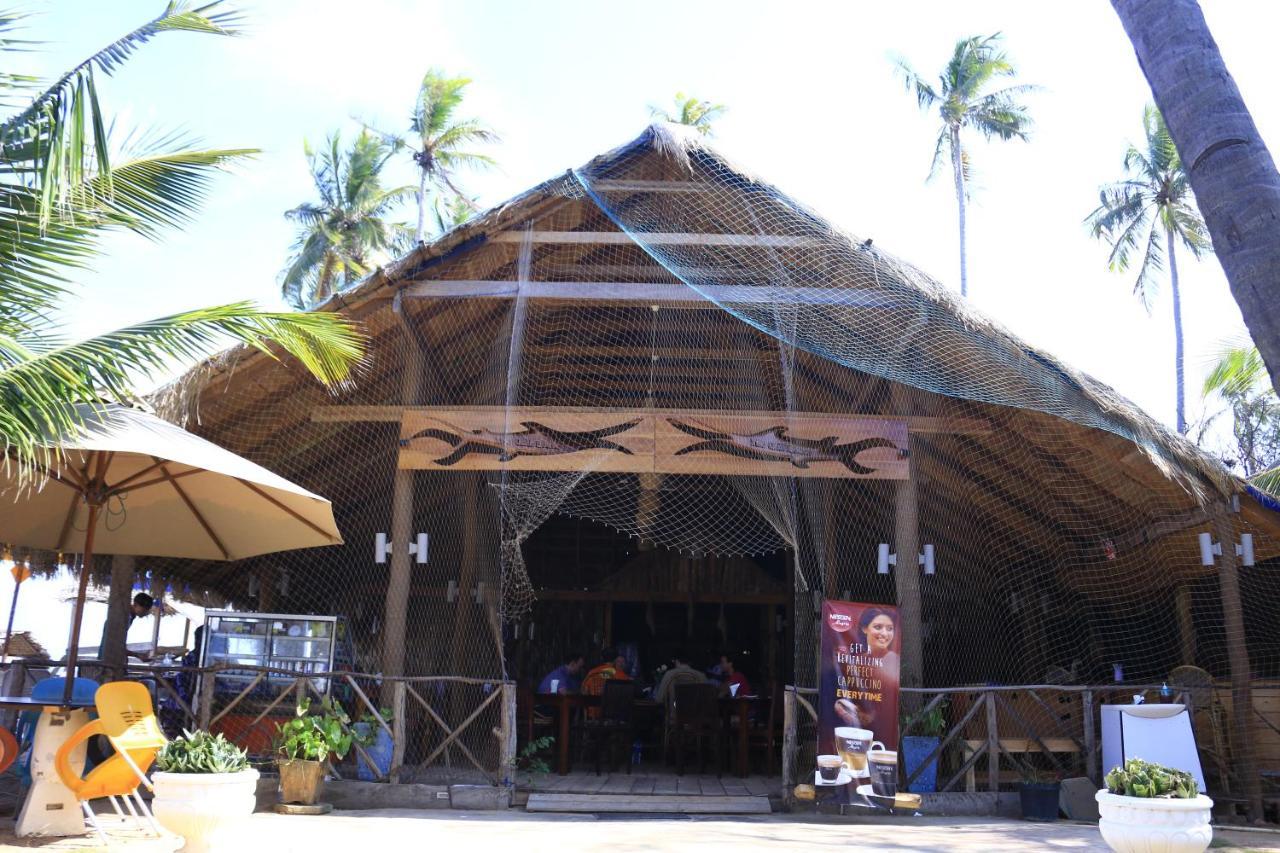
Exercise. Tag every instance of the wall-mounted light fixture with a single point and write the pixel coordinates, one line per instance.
(418, 548)
(884, 559)
(1210, 549)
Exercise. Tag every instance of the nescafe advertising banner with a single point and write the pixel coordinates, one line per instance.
(858, 682)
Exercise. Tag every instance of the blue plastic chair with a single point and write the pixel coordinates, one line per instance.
(82, 690)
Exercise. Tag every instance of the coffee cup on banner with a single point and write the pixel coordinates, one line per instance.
(853, 744)
(884, 771)
(829, 767)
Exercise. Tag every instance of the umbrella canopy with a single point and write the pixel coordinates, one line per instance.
(130, 483)
(161, 492)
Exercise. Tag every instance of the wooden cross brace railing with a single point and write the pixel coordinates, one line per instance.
(451, 735)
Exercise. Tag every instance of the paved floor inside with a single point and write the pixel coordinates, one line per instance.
(406, 829)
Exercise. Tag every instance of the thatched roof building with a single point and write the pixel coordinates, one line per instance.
(661, 283)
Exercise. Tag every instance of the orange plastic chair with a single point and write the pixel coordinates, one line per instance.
(127, 719)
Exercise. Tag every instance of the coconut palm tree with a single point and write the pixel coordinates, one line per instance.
(346, 234)
(964, 102)
(64, 183)
(440, 142)
(691, 111)
(1231, 171)
(1148, 212)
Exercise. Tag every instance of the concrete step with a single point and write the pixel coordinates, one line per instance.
(645, 803)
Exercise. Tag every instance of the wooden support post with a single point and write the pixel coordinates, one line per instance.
(1243, 743)
(207, 680)
(1090, 738)
(906, 575)
(1186, 626)
(507, 743)
(993, 746)
(396, 608)
(788, 743)
(399, 728)
(266, 589)
(111, 650)
(157, 611)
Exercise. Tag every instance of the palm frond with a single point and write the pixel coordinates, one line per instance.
(1238, 369)
(65, 126)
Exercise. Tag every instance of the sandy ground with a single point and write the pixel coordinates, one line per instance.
(449, 830)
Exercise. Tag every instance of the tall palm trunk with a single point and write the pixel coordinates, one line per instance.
(422, 205)
(957, 166)
(1177, 334)
(1232, 173)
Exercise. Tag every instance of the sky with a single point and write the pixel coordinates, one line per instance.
(814, 108)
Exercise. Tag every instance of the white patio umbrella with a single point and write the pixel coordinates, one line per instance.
(131, 483)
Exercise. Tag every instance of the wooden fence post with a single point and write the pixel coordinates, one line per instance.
(507, 742)
(993, 746)
(1090, 738)
(788, 742)
(398, 729)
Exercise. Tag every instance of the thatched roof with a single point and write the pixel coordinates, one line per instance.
(23, 645)
(1204, 476)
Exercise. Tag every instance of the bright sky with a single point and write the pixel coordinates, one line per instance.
(814, 108)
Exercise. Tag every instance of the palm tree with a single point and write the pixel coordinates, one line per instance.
(63, 184)
(345, 234)
(691, 111)
(440, 142)
(1152, 202)
(1232, 172)
(962, 104)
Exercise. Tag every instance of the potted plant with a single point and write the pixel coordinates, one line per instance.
(916, 748)
(1038, 793)
(1147, 807)
(373, 736)
(204, 788)
(303, 746)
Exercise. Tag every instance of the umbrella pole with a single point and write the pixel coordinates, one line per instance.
(86, 566)
(8, 632)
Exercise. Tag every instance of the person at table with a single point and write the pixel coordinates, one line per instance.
(731, 675)
(565, 676)
(613, 667)
(680, 673)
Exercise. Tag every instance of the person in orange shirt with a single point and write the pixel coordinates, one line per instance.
(614, 667)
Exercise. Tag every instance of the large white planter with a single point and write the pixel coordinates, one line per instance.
(206, 809)
(1154, 825)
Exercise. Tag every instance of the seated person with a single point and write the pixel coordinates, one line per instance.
(566, 675)
(729, 675)
(614, 667)
(681, 673)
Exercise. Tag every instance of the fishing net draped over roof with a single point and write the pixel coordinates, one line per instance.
(661, 290)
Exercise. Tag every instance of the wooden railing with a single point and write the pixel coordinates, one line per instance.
(442, 742)
(1002, 728)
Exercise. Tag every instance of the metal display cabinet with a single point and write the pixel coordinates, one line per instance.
(282, 641)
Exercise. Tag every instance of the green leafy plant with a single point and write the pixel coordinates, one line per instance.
(1033, 775)
(932, 723)
(201, 752)
(1138, 778)
(314, 737)
(530, 759)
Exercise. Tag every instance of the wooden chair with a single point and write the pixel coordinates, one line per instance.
(529, 722)
(126, 717)
(615, 723)
(766, 733)
(697, 716)
(678, 678)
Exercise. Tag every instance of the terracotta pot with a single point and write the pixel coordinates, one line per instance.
(1153, 825)
(301, 781)
(207, 809)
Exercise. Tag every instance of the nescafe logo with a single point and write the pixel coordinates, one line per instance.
(840, 621)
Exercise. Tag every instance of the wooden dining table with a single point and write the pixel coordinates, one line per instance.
(565, 703)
